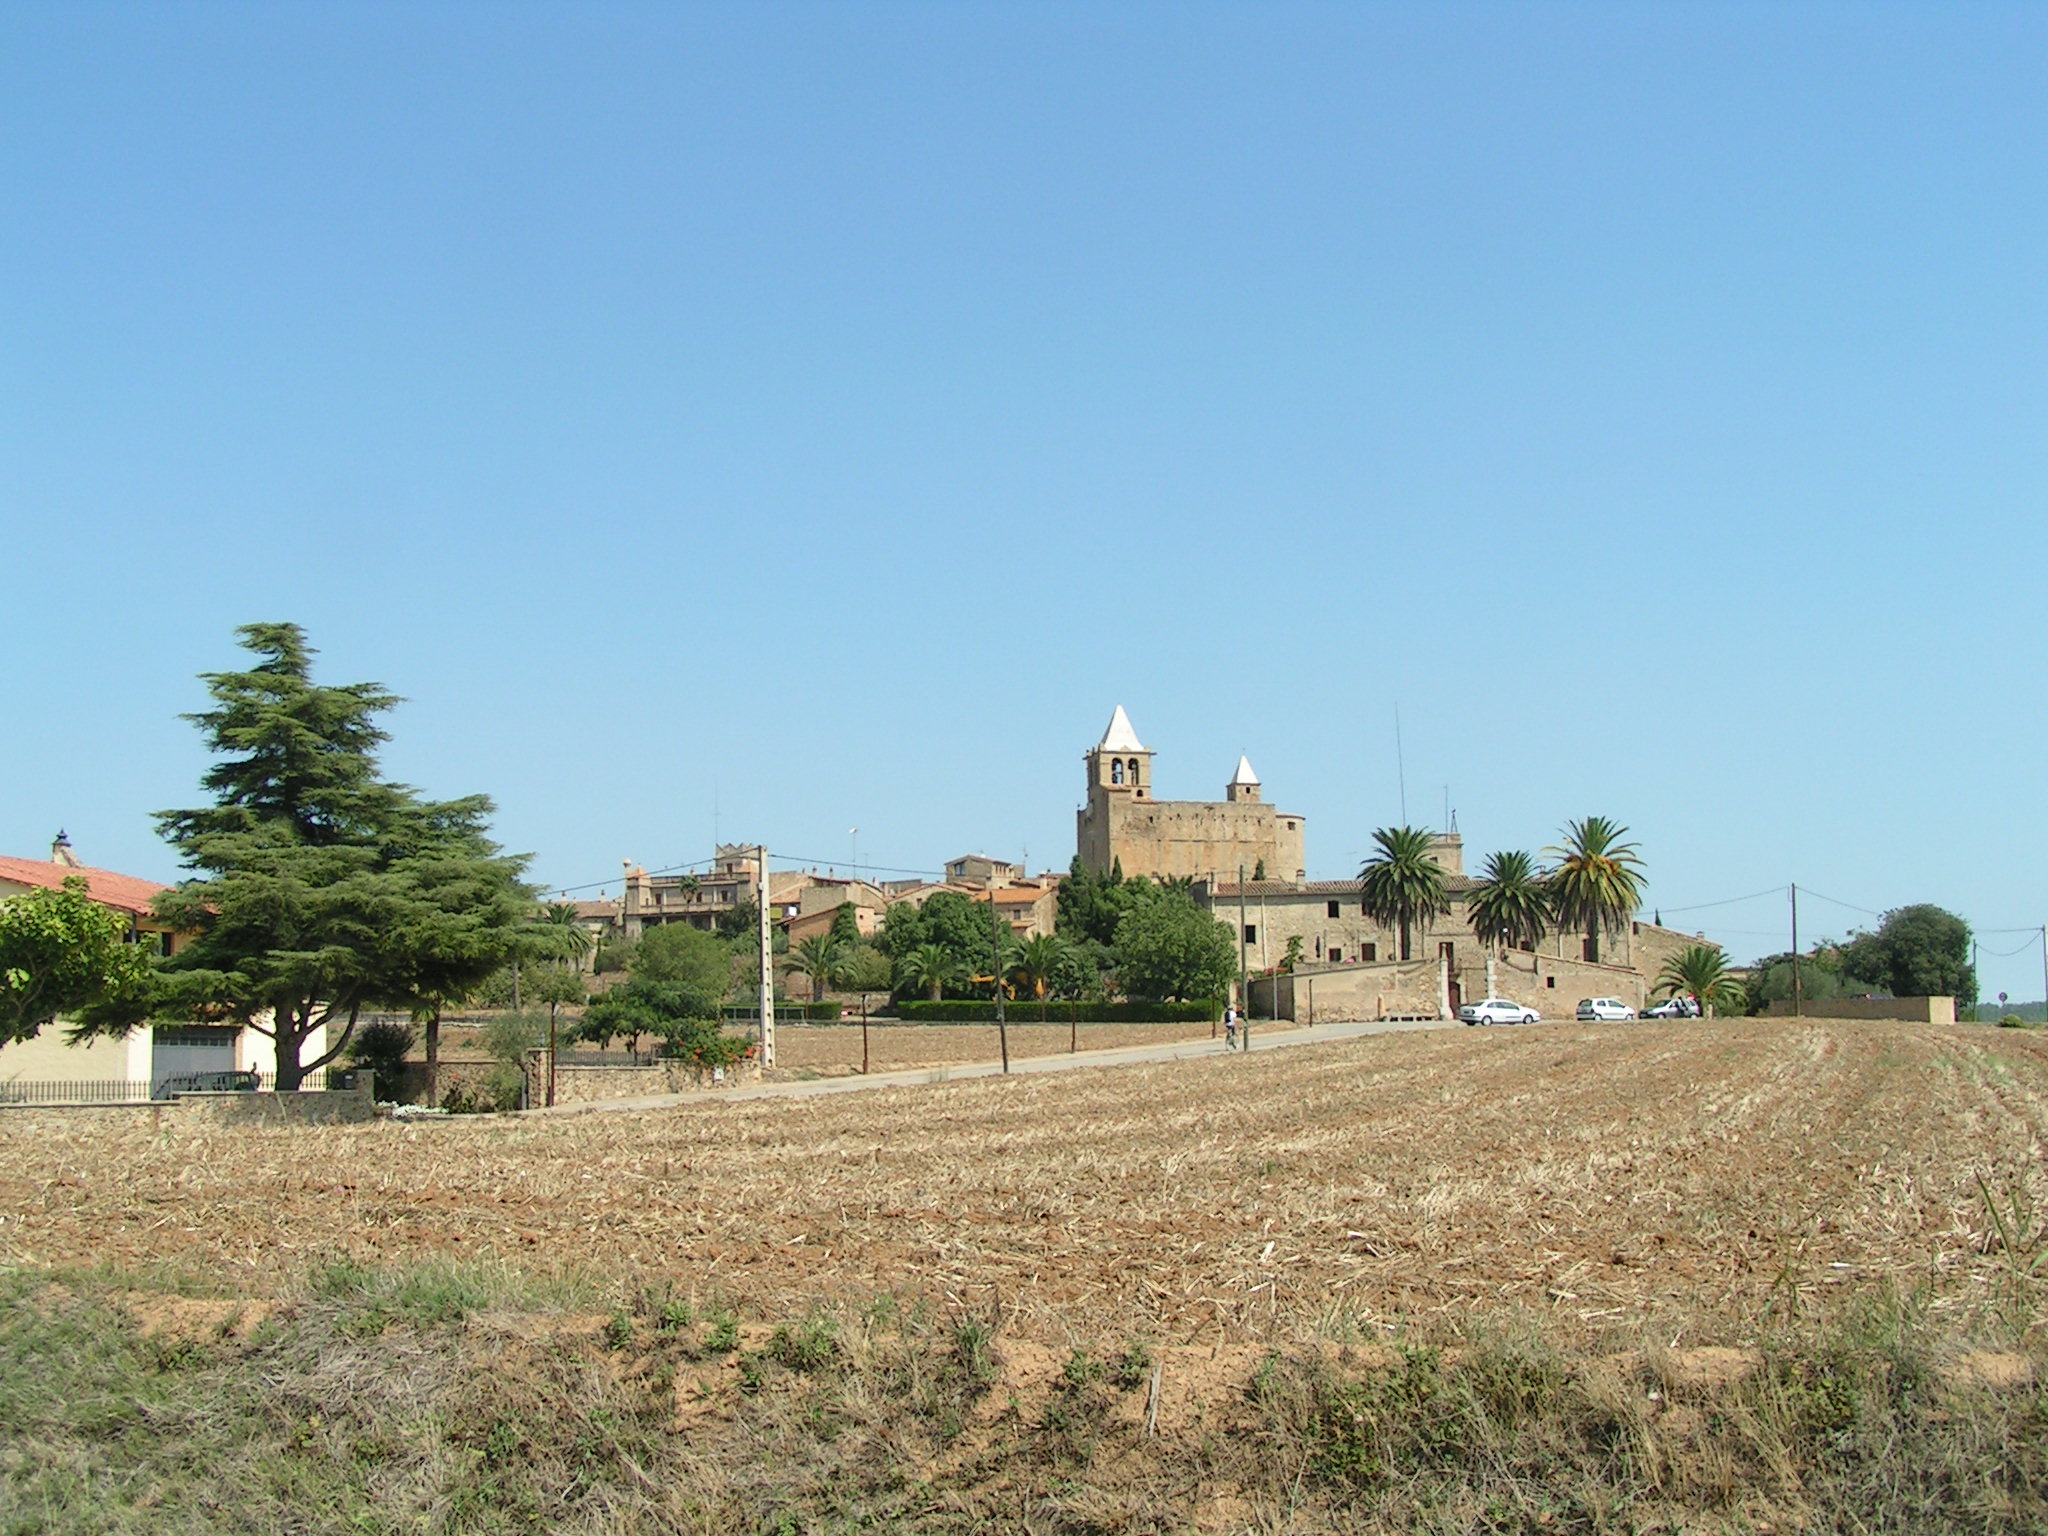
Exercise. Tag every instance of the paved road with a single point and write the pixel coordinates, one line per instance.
(1265, 1037)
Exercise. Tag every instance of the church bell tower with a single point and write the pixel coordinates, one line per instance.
(1120, 764)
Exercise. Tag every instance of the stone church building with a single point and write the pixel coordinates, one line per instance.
(1308, 947)
(1121, 824)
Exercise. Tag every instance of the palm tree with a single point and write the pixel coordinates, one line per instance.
(1402, 885)
(1037, 961)
(1702, 971)
(1598, 882)
(927, 968)
(1509, 908)
(567, 931)
(820, 957)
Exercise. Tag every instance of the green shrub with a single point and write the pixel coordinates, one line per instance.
(382, 1045)
(2013, 1021)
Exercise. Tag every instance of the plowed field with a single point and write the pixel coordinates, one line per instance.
(1688, 1174)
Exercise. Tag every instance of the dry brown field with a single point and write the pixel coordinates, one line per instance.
(1685, 1177)
(1728, 1278)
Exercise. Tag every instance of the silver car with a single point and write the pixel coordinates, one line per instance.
(1604, 1010)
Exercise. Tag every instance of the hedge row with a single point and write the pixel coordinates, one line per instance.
(828, 1013)
(973, 1012)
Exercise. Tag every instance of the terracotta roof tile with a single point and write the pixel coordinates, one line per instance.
(124, 893)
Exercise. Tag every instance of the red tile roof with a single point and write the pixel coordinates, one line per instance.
(124, 893)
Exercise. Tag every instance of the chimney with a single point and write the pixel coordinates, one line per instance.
(60, 852)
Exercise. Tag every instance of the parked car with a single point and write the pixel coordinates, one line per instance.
(1680, 1007)
(1498, 1010)
(206, 1082)
(1604, 1010)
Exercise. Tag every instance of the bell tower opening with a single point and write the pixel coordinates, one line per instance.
(1120, 762)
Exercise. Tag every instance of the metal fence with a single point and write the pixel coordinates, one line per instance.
(136, 1091)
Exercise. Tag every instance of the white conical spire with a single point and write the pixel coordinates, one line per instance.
(1120, 737)
(1244, 774)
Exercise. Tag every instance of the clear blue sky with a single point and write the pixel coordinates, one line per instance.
(770, 420)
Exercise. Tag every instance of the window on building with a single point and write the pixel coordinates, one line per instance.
(1550, 981)
(1369, 953)
(1116, 770)
(1251, 933)
(1134, 771)
(1336, 957)
(1333, 909)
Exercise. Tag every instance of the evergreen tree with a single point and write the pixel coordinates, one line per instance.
(323, 889)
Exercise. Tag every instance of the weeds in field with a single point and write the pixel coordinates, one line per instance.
(2022, 1243)
(869, 1417)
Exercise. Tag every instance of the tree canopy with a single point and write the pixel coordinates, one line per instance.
(61, 952)
(1401, 885)
(1598, 882)
(1917, 951)
(1700, 971)
(1510, 906)
(675, 954)
(322, 888)
(1167, 948)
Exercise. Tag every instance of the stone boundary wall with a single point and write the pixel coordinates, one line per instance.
(584, 1085)
(1388, 989)
(1919, 1010)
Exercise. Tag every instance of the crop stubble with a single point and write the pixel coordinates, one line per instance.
(1690, 1173)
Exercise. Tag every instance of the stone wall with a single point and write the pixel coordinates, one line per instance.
(1196, 839)
(1332, 994)
(584, 1085)
(1920, 1010)
(1327, 916)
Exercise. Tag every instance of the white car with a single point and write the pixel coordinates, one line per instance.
(1604, 1010)
(1680, 1007)
(1498, 1010)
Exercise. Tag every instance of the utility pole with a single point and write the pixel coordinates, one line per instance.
(2044, 964)
(1244, 996)
(767, 965)
(995, 937)
(1798, 993)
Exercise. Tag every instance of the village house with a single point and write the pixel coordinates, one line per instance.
(149, 1056)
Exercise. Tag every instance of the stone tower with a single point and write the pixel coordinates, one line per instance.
(1243, 785)
(1124, 823)
(1120, 763)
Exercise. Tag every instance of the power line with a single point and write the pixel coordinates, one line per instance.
(2007, 954)
(1866, 911)
(886, 869)
(1776, 890)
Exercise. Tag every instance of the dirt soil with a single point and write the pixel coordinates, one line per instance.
(1690, 1175)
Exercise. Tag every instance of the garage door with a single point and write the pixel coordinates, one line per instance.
(182, 1052)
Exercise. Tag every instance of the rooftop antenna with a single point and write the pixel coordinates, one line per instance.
(1401, 764)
